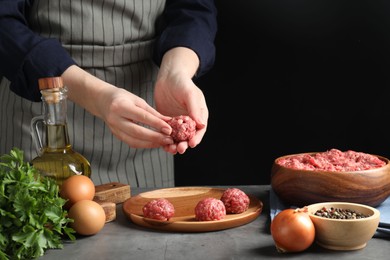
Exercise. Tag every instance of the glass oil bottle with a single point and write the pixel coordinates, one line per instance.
(56, 157)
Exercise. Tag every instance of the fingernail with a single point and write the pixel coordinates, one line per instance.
(166, 130)
(168, 140)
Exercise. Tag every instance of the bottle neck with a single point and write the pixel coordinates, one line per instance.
(55, 109)
(55, 106)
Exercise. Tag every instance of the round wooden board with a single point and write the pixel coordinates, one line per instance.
(184, 200)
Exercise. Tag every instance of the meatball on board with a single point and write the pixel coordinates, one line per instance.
(184, 201)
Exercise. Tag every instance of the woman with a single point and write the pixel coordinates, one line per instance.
(128, 66)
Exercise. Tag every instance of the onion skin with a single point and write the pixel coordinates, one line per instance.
(292, 230)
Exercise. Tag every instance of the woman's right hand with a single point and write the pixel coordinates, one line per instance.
(130, 118)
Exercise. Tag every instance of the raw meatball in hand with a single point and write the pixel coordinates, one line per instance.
(183, 128)
(160, 209)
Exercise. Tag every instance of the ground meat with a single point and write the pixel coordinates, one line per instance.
(235, 201)
(183, 128)
(210, 209)
(160, 209)
(333, 160)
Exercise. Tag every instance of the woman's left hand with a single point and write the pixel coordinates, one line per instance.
(176, 94)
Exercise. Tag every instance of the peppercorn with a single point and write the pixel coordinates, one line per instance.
(339, 213)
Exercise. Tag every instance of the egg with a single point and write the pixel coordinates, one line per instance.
(77, 188)
(88, 217)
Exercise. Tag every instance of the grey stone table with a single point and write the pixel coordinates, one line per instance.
(122, 239)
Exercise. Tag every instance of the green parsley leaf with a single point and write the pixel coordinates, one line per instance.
(32, 217)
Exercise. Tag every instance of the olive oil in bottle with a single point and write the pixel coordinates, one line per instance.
(56, 157)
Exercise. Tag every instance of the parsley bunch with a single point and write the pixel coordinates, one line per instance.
(32, 218)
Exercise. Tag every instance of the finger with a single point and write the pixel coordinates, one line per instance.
(171, 149)
(197, 108)
(201, 117)
(151, 118)
(182, 147)
(197, 138)
(138, 136)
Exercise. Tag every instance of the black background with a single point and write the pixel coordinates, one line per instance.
(291, 76)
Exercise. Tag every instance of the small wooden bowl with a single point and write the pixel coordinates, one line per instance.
(303, 187)
(344, 234)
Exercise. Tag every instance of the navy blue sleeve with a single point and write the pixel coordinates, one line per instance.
(25, 56)
(191, 24)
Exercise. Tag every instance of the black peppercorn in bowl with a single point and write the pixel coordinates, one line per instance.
(343, 225)
(307, 178)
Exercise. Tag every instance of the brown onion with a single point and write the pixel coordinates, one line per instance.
(292, 230)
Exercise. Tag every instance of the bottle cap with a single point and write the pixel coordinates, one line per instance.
(50, 82)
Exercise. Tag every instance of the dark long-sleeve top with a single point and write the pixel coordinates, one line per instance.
(26, 56)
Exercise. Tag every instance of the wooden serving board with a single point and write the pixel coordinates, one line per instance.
(184, 200)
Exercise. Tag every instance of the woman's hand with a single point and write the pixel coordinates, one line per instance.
(176, 94)
(128, 116)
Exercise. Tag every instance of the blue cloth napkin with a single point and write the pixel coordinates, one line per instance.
(383, 230)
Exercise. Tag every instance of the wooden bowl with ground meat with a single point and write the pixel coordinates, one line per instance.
(333, 175)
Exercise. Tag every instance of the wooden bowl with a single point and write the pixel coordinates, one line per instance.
(344, 234)
(303, 187)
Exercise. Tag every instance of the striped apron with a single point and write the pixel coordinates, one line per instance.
(113, 40)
